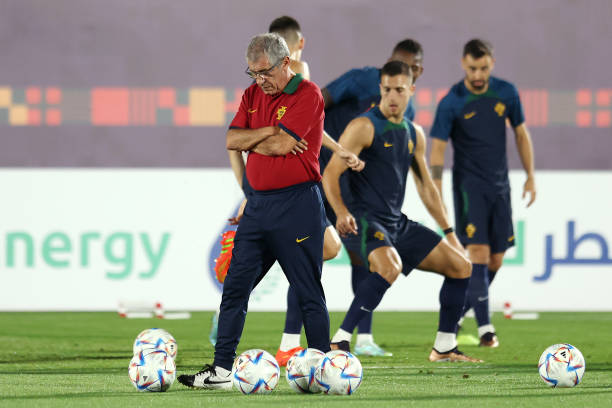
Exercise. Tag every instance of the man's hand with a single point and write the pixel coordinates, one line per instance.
(236, 220)
(346, 224)
(530, 188)
(454, 242)
(300, 147)
(351, 160)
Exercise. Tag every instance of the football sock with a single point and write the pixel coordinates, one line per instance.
(358, 275)
(468, 305)
(341, 335)
(487, 328)
(452, 299)
(289, 341)
(368, 296)
(445, 342)
(364, 338)
(478, 293)
(293, 318)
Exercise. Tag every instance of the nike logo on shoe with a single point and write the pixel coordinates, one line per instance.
(208, 381)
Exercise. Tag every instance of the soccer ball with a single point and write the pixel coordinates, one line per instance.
(152, 370)
(561, 365)
(339, 373)
(301, 370)
(156, 338)
(255, 372)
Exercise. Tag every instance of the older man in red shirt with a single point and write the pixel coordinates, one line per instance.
(280, 124)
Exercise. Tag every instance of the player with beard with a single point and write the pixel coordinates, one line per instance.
(474, 115)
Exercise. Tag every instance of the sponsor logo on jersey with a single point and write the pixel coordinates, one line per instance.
(281, 112)
(410, 146)
(379, 235)
(500, 108)
(252, 110)
(387, 144)
(298, 240)
(469, 115)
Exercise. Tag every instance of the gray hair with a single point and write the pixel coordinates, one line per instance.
(271, 45)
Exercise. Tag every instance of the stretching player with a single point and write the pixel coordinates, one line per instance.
(371, 224)
(473, 115)
(348, 96)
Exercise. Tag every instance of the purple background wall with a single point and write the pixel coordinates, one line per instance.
(561, 46)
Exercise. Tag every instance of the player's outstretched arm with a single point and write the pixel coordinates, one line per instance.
(428, 191)
(525, 149)
(436, 158)
(358, 135)
(350, 159)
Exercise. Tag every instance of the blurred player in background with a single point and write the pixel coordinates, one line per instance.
(347, 97)
(371, 224)
(288, 28)
(473, 115)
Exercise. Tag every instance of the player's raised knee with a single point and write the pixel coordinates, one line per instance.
(464, 268)
(389, 272)
(460, 267)
(331, 244)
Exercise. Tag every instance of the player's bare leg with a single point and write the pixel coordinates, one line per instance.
(331, 244)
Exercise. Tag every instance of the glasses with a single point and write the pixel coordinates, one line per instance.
(262, 74)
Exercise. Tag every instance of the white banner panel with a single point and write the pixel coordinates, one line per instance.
(86, 239)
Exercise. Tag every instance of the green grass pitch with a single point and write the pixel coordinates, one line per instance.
(81, 359)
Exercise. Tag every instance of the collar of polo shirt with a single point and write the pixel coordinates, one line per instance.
(292, 86)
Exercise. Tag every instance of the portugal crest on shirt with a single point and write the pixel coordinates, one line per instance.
(500, 108)
(379, 235)
(281, 112)
(470, 230)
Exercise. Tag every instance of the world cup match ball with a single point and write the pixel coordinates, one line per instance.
(157, 339)
(152, 370)
(255, 372)
(561, 365)
(339, 373)
(301, 369)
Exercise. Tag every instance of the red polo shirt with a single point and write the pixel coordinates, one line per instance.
(298, 110)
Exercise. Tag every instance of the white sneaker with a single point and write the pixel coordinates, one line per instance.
(369, 348)
(207, 378)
